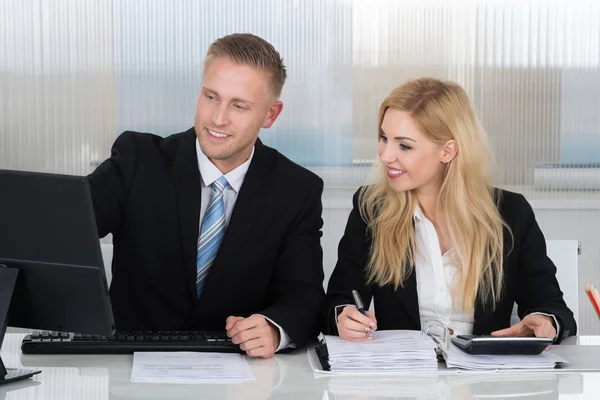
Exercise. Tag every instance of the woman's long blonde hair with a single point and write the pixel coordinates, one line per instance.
(443, 112)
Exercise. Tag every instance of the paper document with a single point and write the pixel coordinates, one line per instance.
(190, 367)
(456, 358)
(394, 350)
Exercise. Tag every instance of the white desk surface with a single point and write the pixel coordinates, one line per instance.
(286, 376)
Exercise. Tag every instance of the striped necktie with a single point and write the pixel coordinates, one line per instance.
(211, 233)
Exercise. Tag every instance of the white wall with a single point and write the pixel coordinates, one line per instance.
(582, 226)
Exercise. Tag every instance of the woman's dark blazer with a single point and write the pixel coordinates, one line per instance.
(529, 278)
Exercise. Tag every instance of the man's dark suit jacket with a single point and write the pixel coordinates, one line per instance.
(529, 278)
(147, 194)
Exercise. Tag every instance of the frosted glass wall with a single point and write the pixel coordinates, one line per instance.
(76, 73)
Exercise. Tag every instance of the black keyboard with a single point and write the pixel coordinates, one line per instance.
(127, 342)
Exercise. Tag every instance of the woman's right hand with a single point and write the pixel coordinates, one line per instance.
(352, 325)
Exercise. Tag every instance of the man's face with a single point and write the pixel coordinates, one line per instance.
(235, 102)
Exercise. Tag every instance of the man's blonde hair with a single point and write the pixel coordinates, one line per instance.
(245, 48)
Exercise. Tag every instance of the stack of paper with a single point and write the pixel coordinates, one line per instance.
(388, 351)
(189, 367)
(456, 358)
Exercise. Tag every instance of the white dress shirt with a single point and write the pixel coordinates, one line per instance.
(437, 274)
(210, 173)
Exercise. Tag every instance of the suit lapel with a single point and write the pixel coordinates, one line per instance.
(480, 320)
(187, 185)
(408, 295)
(409, 299)
(246, 214)
(485, 320)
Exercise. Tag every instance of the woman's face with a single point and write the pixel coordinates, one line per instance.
(413, 162)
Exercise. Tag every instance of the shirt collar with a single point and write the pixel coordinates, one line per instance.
(418, 214)
(210, 173)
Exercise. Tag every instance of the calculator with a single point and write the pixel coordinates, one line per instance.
(484, 344)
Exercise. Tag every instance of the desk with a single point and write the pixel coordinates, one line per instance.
(286, 376)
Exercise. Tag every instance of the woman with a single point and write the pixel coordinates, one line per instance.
(433, 239)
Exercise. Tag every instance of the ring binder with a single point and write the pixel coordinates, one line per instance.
(447, 332)
(389, 350)
(411, 351)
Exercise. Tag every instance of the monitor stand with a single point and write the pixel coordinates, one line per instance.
(8, 278)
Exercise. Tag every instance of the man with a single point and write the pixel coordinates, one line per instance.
(212, 229)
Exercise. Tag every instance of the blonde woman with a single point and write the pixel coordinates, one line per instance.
(434, 239)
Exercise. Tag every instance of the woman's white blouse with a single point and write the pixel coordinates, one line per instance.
(437, 274)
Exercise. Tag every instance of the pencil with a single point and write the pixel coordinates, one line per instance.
(596, 296)
(588, 290)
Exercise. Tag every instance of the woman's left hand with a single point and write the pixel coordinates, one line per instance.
(533, 324)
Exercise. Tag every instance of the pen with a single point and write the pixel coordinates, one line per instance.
(358, 302)
(360, 306)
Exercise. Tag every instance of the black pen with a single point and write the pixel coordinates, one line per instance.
(358, 302)
(360, 306)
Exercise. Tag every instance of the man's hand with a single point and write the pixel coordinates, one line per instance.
(533, 324)
(255, 335)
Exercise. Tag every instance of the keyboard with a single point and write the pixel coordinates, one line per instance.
(127, 342)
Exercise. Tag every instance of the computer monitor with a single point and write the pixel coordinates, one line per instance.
(51, 271)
